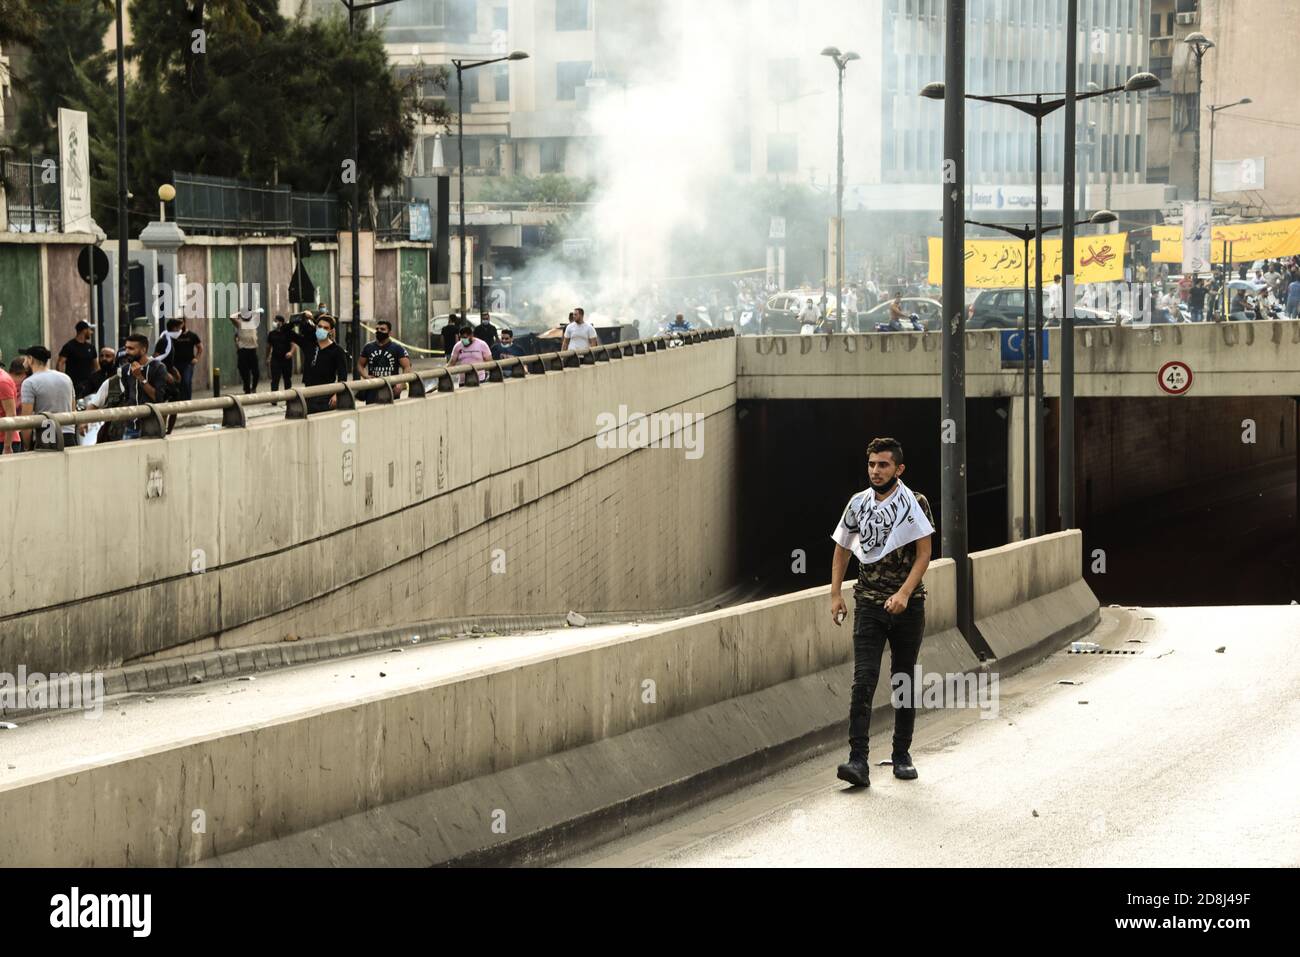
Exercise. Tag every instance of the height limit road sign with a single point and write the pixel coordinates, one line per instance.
(1175, 378)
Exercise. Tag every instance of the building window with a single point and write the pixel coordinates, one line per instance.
(501, 82)
(472, 156)
(453, 94)
(570, 76)
(572, 15)
(741, 152)
(552, 155)
(783, 79)
(782, 153)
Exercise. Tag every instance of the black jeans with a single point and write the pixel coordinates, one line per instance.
(249, 369)
(281, 369)
(872, 627)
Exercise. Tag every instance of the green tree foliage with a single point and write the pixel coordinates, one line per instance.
(231, 88)
(551, 188)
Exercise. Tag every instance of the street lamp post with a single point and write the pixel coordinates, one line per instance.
(123, 219)
(841, 61)
(1214, 110)
(1038, 109)
(355, 335)
(1030, 348)
(1200, 44)
(461, 66)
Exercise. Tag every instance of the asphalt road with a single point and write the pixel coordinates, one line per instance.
(1181, 756)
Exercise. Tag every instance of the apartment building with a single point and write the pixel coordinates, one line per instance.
(1253, 57)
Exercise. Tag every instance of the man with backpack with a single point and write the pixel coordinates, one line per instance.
(141, 379)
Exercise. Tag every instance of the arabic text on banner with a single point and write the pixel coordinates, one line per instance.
(1250, 241)
(1000, 264)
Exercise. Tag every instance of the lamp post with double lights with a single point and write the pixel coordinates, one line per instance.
(841, 61)
(1039, 108)
(1214, 110)
(1137, 82)
(461, 66)
(1027, 234)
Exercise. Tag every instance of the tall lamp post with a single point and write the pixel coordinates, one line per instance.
(461, 66)
(1065, 489)
(841, 61)
(1039, 108)
(355, 335)
(1027, 234)
(1201, 45)
(123, 219)
(1213, 110)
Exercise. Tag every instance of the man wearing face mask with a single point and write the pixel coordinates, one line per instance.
(106, 367)
(383, 357)
(280, 349)
(469, 350)
(327, 363)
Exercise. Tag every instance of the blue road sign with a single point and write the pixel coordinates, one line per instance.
(1013, 347)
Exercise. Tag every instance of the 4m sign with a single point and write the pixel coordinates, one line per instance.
(1175, 378)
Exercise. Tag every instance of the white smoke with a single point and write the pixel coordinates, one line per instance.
(675, 84)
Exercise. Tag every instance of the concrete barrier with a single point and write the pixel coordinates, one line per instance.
(547, 745)
(1227, 359)
(1030, 596)
(478, 502)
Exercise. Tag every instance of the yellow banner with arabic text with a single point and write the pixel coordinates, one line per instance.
(1000, 263)
(1250, 241)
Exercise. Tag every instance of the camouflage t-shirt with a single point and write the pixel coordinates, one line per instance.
(880, 580)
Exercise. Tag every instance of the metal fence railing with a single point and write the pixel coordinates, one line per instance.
(48, 427)
(32, 193)
(404, 219)
(220, 205)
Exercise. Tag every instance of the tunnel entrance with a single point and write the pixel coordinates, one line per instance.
(1188, 501)
(802, 460)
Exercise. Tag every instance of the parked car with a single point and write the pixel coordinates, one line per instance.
(781, 313)
(1005, 309)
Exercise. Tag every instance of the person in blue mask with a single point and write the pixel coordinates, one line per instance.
(325, 362)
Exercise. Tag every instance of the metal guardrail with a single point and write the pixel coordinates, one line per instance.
(153, 417)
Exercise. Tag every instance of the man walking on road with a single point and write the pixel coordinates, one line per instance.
(887, 527)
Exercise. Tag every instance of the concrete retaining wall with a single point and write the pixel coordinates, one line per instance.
(489, 501)
(1239, 358)
(554, 746)
(265, 782)
(1031, 595)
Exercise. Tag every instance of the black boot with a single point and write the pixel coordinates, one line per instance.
(903, 767)
(856, 770)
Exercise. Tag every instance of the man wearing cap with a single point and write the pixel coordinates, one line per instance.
(77, 358)
(245, 324)
(46, 391)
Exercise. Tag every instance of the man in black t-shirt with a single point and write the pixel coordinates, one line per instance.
(328, 362)
(485, 330)
(1196, 299)
(383, 357)
(280, 349)
(77, 358)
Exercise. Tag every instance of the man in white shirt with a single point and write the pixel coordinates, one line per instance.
(579, 335)
(810, 315)
(1054, 298)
